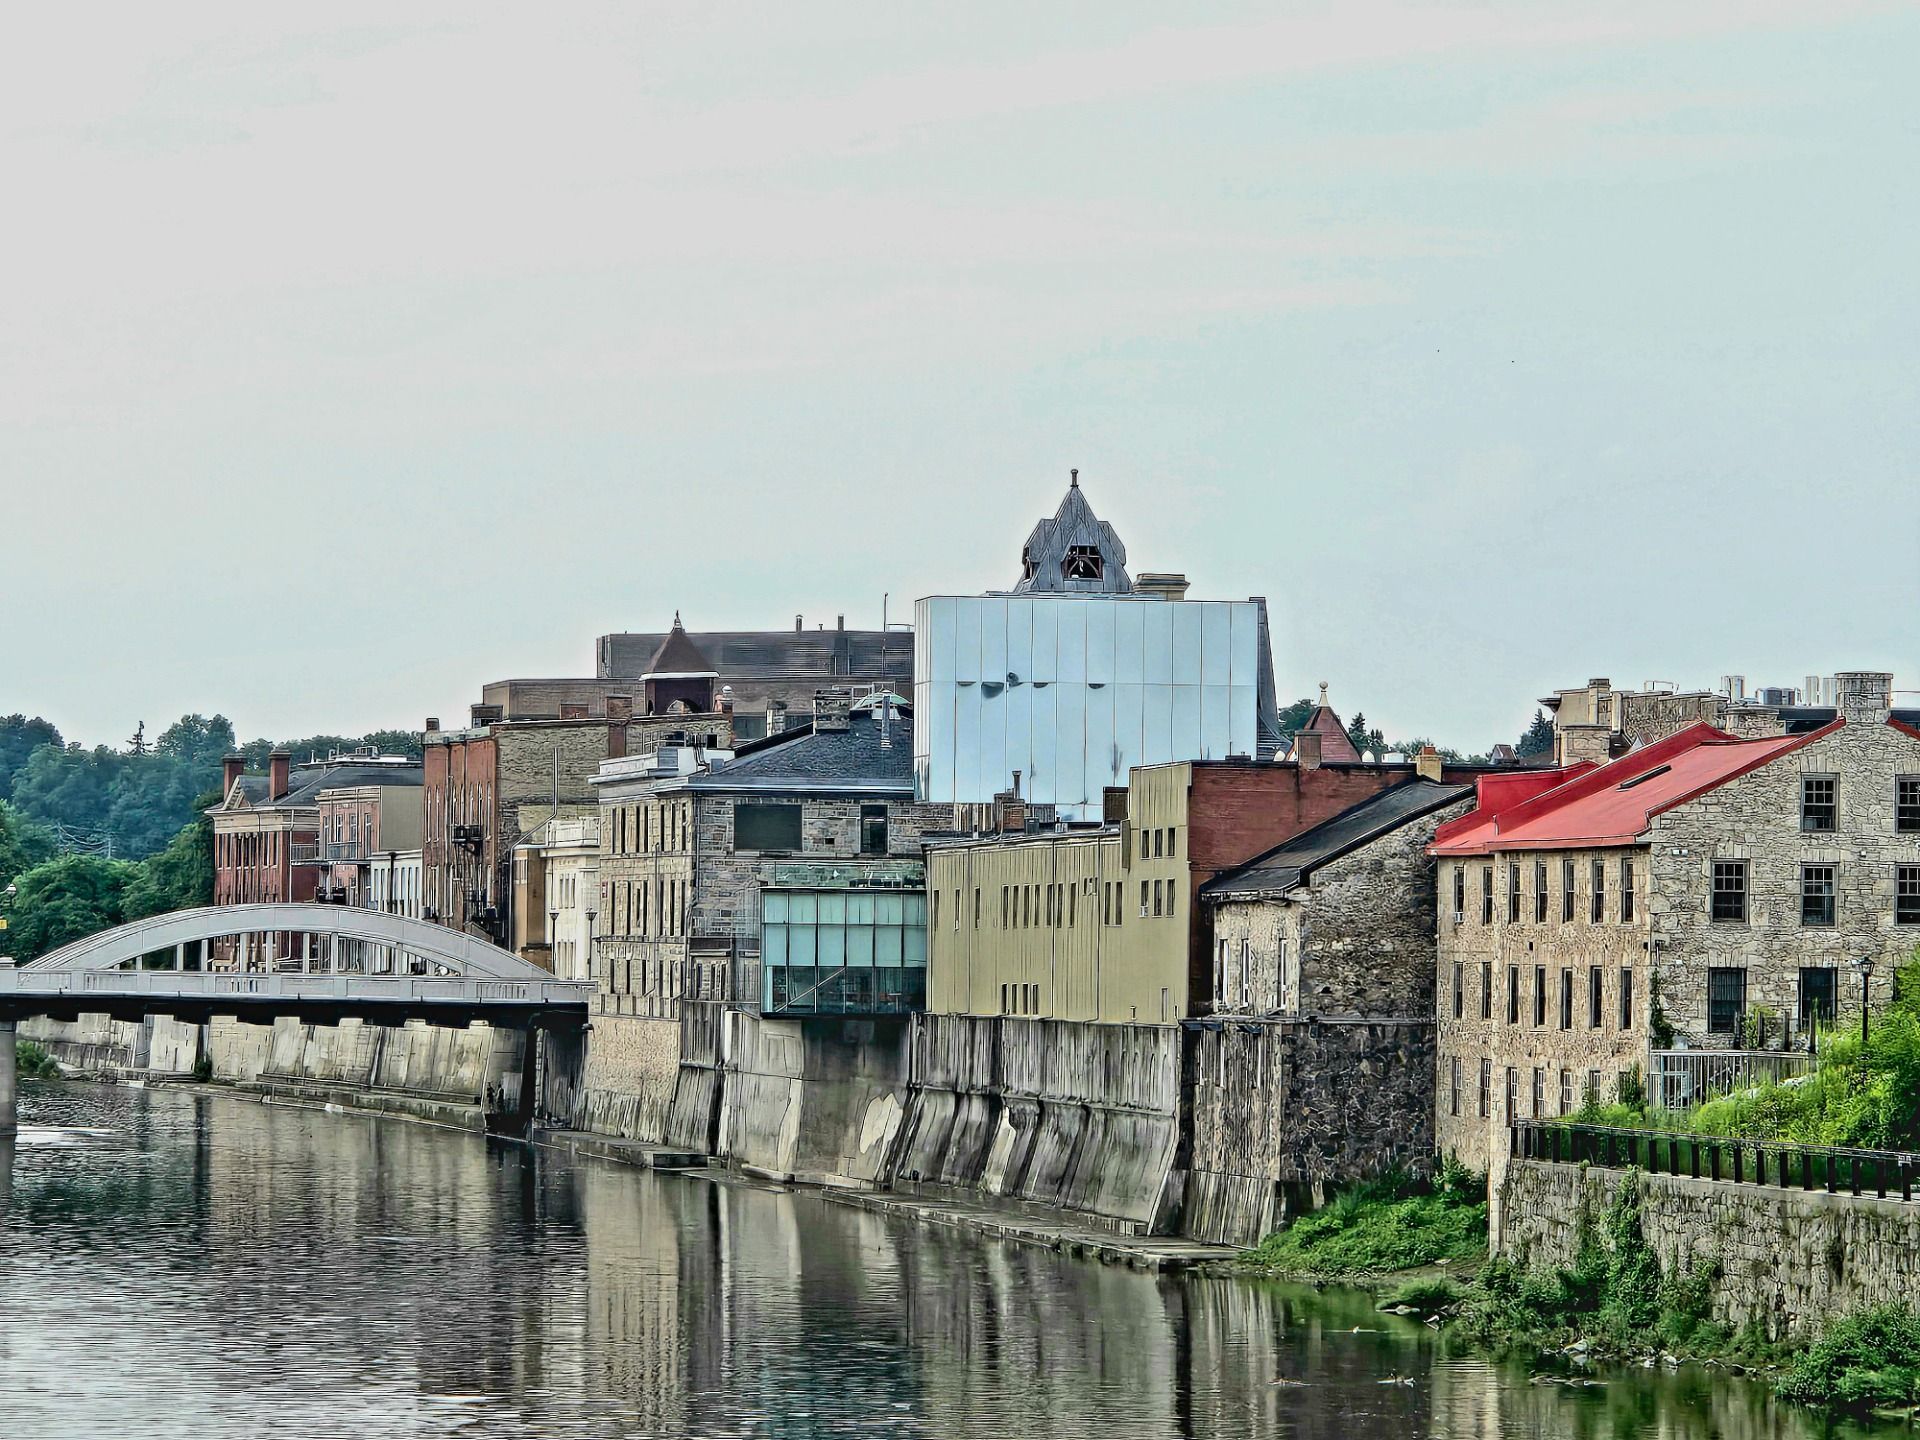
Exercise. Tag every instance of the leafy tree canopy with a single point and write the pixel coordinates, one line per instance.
(19, 738)
(67, 899)
(23, 844)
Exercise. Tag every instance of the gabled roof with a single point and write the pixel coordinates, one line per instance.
(305, 782)
(807, 760)
(1292, 863)
(1611, 804)
(1074, 526)
(1335, 744)
(678, 658)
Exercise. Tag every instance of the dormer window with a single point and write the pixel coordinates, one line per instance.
(1027, 567)
(1083, 562)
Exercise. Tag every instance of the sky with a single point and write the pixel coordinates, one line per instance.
(352, 357)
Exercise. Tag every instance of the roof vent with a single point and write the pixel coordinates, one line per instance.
(1161, 585)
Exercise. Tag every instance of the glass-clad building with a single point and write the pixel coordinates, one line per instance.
(843, 952)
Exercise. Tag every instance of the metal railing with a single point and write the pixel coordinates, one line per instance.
(1833, 1169)
(1681, 1079)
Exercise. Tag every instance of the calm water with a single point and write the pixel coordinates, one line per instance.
(211, 1267)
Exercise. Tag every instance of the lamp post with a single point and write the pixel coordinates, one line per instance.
(1865, 962)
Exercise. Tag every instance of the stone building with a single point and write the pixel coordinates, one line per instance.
(1702, 890)
(556, 889)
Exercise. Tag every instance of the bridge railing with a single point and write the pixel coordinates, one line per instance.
(217, 984)
(1723, 1159)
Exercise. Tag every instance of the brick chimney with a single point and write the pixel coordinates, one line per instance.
(830, 711)
(232, 767)
(1427, 764)
(776, 717)
(1865, 697)
(279, 767)
(1573, 744)
(1306, 749)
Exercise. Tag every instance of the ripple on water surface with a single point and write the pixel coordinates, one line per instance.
(174, 1265)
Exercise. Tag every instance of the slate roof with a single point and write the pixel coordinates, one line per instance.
(1073, 524)
(679, 656)
(806, 759)
(305, 782)
(1292, 862)
(772, 654)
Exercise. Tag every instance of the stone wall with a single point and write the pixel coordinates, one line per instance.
(815, 1100)
(1790, 1260)
(627, 1083)
(1285, 1110)
(93, 1043)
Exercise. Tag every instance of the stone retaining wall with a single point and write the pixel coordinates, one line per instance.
(1790, 1260)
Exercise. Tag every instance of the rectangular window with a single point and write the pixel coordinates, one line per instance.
(1156, 897)
(1006, 916)
(1246, 971)
(1459, 986)
(1726, 999)
(1626, 997)
(1172, 891)
(1513, 894)
(1513, 994)
(1486, 989)
(1459, 893)
(1819, 989)
(1906, 803)
(1539, 996)
(1539, 1092)
(1816, 895)
(873, 829)
(1595, 997)
(1566, 892)
(1453, 1087)
(1592, 1096)
(1566, 1092)
(1599, 910)
(1486, 1087)
(766, 827)
(1566, 999)
(1143, 897)
(1626, 892)
(1819, 802)
(1513, 1093)
(1730, 891)
(1486, 895)
(1906, 894)
(1220, 975)
(1539, 892)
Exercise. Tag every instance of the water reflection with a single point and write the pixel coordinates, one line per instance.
(215, 1268)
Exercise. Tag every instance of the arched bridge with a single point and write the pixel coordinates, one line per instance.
(318, 962)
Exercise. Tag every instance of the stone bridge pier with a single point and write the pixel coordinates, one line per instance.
(9, 1081)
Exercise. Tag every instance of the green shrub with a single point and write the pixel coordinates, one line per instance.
(1428, 1296)
(1863, 1361)
(32, 1062)
(1383, 1225)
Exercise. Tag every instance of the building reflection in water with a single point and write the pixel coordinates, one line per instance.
(251, 1268)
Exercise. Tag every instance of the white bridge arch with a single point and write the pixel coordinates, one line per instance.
(402, 969)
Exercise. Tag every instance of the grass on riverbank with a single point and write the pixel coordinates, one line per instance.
(1382, 1226)
(32, 1062)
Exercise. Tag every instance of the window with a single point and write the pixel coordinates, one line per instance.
(1513, 894)
(1006, 917)
(1143, 897)
(1816, 895)
(1513, 1093)
(1220, 975)
(1730, 891)
(1082, 562)
(1592, 1094)
(1459, 893)
(1539, 892)
(1459, 986)
(1246, 974)
(1726, 999)
(1906, 894)
(1453, 1088)
(1486, 895)
(1513, 995)
(1626, 998)
(1819, 802)
(1156, 897)
(1159, 843)
(873, 829)
(1172, 891)
(1906, 803)
(1566, 999)
(1539, 1092)
(1539, 996)
(766, 827)
(1819, 986)
(1599, 910)
(1486, 1087)
(1566, 1091)
(1626, 892)
(1486, 989)
(935, 922)
(1595, 997)
(1566, 892)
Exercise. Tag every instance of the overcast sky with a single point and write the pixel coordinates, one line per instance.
(348, 362)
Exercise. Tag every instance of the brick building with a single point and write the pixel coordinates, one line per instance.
(363, 826)
(812, 830)
(1704, 889)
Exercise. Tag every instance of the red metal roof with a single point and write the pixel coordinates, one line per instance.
(1611, 804)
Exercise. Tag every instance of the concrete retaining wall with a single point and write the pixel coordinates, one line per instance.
(95, 1043)
(815, 1100)
(1790, 1260)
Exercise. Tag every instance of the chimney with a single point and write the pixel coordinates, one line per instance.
(1863, 697)
(620, 707)
(232, 767)
(776, 717)
(798, 622)
(726, 701)
(1113, 804)
(1573, 744)
(830, 711)
(616, 739)
(1306, 749)
(433, 725)
(480, 714)
(279, 766)
(840, 623)
(1427, 764)
(1161, 586)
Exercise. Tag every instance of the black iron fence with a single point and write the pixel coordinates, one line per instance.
(1833, 1169)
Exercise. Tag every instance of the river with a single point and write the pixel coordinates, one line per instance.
(182, 1265)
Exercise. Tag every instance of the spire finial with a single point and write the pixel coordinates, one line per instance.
(1323, 694)
(677, 625)
(1074, 482)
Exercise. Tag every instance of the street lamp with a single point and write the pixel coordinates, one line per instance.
(1865, 962)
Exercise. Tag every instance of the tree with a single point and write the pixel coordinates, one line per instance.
(1537, 739)
(19, 738)
(67, 899)
(138, 744)
(200, 741)
(1295, 717)
(1365, 739)
(23, 844)
(180, 877)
